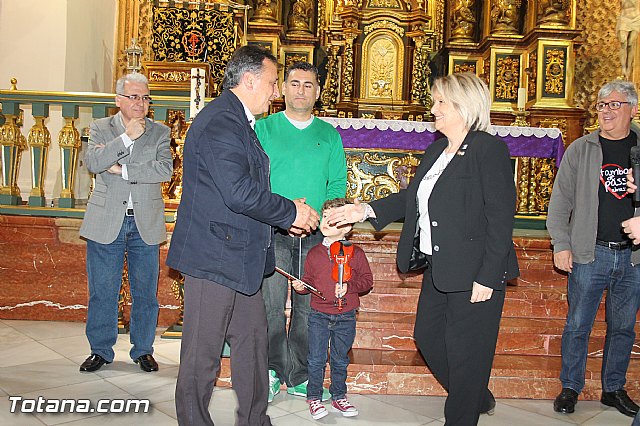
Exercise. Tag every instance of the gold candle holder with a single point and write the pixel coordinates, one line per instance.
(521, 118)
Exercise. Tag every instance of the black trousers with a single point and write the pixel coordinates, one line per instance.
(458, 340)
(211, 313)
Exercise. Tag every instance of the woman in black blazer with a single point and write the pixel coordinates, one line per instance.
(461, 204)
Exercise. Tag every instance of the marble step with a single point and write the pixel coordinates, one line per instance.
(384, 269)
(394, 372)
(523, 336)
(526, 301)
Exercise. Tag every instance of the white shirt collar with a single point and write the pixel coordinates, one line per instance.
(250, 116)
(299, 124)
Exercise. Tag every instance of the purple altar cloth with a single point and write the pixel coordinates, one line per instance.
(546, 143)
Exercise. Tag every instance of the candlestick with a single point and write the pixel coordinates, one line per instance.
(521, 118)
(522, 98)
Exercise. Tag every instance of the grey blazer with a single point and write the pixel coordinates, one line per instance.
(149, 163)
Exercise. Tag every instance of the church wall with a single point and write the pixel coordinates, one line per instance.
(57, 45)
(90, 43)
(34, 43)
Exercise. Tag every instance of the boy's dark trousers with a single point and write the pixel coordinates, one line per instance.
(340, 330)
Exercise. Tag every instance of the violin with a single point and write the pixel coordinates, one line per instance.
(341, 252)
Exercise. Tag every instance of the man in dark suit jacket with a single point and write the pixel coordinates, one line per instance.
(222, 242)
(130, 156)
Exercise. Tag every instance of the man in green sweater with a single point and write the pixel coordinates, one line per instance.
(307, 161)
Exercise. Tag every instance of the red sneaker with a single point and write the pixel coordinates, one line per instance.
(316, 409)
(344, 406)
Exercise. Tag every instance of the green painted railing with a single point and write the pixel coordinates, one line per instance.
(38, 140)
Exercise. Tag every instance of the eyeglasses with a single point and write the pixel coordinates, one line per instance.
(613, 105)
(143, 98)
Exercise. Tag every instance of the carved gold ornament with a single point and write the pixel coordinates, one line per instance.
(371, 176)
(170, 76)
(554, 72)
(384, 24)
(462, 20)
(507, 71)
(193, 36)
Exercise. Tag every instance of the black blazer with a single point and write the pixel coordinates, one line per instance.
(223, 228)
(471, 209)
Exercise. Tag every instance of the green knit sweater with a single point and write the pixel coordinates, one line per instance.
(307, 163)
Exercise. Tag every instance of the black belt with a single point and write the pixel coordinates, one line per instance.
(129, 212)
(615, 245)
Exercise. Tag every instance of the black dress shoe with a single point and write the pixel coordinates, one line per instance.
(93, 363)
(566, 401)
(147, 363)
(491, 410)
(621, 401)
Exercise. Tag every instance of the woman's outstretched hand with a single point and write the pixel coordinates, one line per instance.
(347, 214)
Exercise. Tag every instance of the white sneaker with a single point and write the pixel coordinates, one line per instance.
(316, 409)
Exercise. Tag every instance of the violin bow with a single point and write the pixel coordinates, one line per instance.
(309, 287)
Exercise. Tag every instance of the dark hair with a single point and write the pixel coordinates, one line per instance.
(336, 202)
(245, 59)
(304, 66)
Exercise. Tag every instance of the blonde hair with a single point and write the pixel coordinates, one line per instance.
(469, 96)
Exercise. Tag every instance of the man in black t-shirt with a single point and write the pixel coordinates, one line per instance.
(588, 203)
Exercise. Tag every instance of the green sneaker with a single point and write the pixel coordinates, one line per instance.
(301, 390)
(274, 385)
(326, 395)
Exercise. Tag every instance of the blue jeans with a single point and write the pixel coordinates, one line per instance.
(105, 263)
(612, 271)
(288, 350)
(340, 331)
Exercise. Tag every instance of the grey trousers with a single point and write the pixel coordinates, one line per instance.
(211, 313)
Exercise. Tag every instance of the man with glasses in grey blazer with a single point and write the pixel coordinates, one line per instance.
(130, 156)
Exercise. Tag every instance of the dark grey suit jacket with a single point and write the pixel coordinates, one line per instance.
(148, 165)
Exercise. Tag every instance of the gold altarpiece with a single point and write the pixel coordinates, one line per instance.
(378, 55)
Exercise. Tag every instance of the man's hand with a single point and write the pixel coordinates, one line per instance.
(347, 214)
(116, 169)
(135, 128)
(307, 219)
(563, 260)
(480, 293)
(632, 228)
